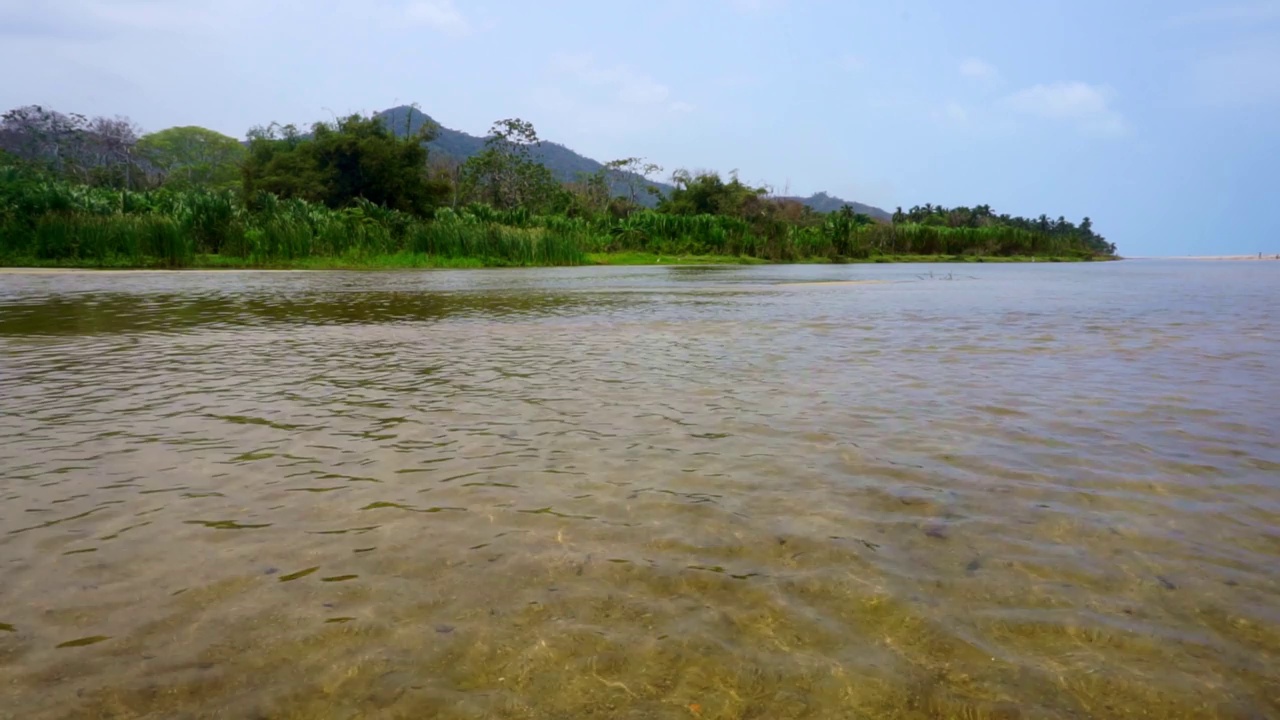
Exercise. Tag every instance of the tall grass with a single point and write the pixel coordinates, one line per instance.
(452, 235)
(49, 221)
(101, 240)
(54, 222)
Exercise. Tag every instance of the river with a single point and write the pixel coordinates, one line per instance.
(898, 491)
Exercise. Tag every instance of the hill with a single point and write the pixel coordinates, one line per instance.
(825, 203)
(566, 164)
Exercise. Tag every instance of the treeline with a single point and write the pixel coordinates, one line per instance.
(75, 190)
(981, 216)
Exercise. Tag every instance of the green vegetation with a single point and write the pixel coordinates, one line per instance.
(982, 216)
(193, 157)
(357, 192)
(629, 177)
(353, 159)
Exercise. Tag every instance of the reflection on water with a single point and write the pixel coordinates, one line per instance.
(1024, 492)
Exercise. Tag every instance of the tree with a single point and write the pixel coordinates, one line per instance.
(98, 150)
(505, 174)
(448, 170)
(591, 191)
(43, 137)
(280, 162)
(631, 173)
(706, 193)
(108, 153)
(353, 157)
(194, 157)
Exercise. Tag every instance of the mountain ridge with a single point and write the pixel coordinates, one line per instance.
(568, 165)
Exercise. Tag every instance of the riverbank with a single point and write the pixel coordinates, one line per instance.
(422, 261)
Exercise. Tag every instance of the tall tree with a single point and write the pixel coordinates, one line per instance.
(193, 157)
(97, 150)
(43, 136)
(706, 193)
(353, 157)
(631, 173)
(505, 173)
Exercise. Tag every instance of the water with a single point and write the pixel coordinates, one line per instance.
(1032, 491)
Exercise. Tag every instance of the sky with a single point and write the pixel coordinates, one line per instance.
(1160, 120)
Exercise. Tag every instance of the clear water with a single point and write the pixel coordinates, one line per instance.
(1015, 491)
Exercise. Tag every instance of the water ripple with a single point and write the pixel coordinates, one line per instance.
(1043, 492)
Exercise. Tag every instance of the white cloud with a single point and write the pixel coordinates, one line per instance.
(440, 15)
(1061, 100)
(1251, 12)
(977, 69)
(1084, 105)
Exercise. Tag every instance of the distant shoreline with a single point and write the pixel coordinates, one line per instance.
(1265, 256)
(411, 261)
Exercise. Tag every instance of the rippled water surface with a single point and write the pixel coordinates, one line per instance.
(1034, 491)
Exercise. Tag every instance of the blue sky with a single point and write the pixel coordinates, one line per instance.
(1160, 120)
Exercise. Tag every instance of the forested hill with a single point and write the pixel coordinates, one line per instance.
(825, 203)
(564, 163)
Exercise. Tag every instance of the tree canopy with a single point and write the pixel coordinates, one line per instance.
(505, 174)
(708, 194)
(982, 216)
(97, 151)
(354, 157)
(194, 157)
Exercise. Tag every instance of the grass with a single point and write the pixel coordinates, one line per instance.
(51, 223)
(407, 260)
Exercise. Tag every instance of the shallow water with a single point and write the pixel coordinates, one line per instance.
(1032, 491)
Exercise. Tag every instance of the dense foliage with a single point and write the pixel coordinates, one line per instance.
(86, 192)
(982, 216)
(338, 163)
(99, 151)
(193, 157)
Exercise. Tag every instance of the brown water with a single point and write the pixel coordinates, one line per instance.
(1046, 491)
